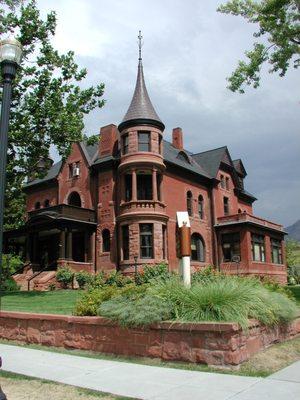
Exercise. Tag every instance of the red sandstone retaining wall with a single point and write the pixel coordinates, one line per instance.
(208, 343)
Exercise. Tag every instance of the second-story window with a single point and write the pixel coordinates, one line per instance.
(226, 205)
(227, 183)
(144, 141)
(125, 142)
(128, 187)
(74, 169)
(200, 207)
(189, 203)
(223, 184)
(144, 186)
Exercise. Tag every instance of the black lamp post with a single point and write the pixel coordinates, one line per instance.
(10, 58)
(135, 266)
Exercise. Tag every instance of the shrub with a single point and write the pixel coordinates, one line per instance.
(144, 310)
(65, 276)
(89, 303)
(274, 286)
(83, 279)
(117, 279)
(205, 274)
(10, 264)
(97, 281)
(150, 273)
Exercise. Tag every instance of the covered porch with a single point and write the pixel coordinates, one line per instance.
(55, 236)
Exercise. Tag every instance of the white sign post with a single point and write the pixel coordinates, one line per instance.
(184, 226)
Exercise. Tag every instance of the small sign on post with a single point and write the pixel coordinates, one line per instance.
(184, 226)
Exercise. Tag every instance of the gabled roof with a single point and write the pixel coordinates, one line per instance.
(51, 174)
(141, 110)
(210, 160)
(239, 166)
(171, 155)
(89, 152)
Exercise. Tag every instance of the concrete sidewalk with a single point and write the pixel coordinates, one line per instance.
(147, 382)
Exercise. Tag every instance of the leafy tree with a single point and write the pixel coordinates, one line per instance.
(279, 31)
(49, 100)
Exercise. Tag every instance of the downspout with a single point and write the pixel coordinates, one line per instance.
(214, 237)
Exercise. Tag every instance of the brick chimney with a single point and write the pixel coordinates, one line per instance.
(177, 139)
(108, 140)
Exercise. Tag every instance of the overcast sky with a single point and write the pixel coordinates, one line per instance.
(189, 50)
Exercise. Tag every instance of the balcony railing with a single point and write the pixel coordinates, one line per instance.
(245, 217)
(142, 205)
(66, 211)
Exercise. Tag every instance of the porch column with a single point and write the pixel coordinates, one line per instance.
(154, 184)
(62, 244)
(92, 247)
(86, 246)
(134, 188)
(28, 247)
(35, 239)
(69, 245)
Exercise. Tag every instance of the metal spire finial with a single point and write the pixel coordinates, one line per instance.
(140, 37)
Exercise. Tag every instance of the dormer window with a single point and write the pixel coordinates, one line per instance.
(74, 169)
(227, 183)
(144, 141)
(183, 157)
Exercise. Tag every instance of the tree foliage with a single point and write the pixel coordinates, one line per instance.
(279, 33)
(49, 99)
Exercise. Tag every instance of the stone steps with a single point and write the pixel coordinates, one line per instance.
(40, 283)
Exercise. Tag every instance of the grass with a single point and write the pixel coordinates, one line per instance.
(56, 302)
(263, 364)
(21, 387)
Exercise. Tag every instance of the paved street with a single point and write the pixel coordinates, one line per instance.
(147, 382)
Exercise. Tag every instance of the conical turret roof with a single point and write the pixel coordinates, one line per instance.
(141, 110)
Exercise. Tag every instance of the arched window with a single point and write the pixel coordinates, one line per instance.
(46, 203)
(201, 207)
(189, 203)
(105, 240)
(37, 205)
(239, 211)
(74, 199)
(197, 248)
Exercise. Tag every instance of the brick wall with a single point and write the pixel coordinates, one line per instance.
(206, 343)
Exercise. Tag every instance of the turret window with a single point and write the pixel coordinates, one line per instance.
(144, 141)
(105, 241)
(146, 240)
(128, 187)
(144, 186)
(125, 143)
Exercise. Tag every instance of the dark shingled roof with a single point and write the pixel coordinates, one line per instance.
(211, 159)
(171, 155)
(205, 164)
(140, 109)
(51, 174)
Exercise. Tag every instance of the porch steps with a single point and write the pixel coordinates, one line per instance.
(41, 282)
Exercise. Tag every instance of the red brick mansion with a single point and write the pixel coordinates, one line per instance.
(113, 205)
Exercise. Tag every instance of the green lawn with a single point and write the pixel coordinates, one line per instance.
(56, 302)
(296, 292)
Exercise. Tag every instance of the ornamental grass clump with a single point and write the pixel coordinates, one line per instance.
(228, 299)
